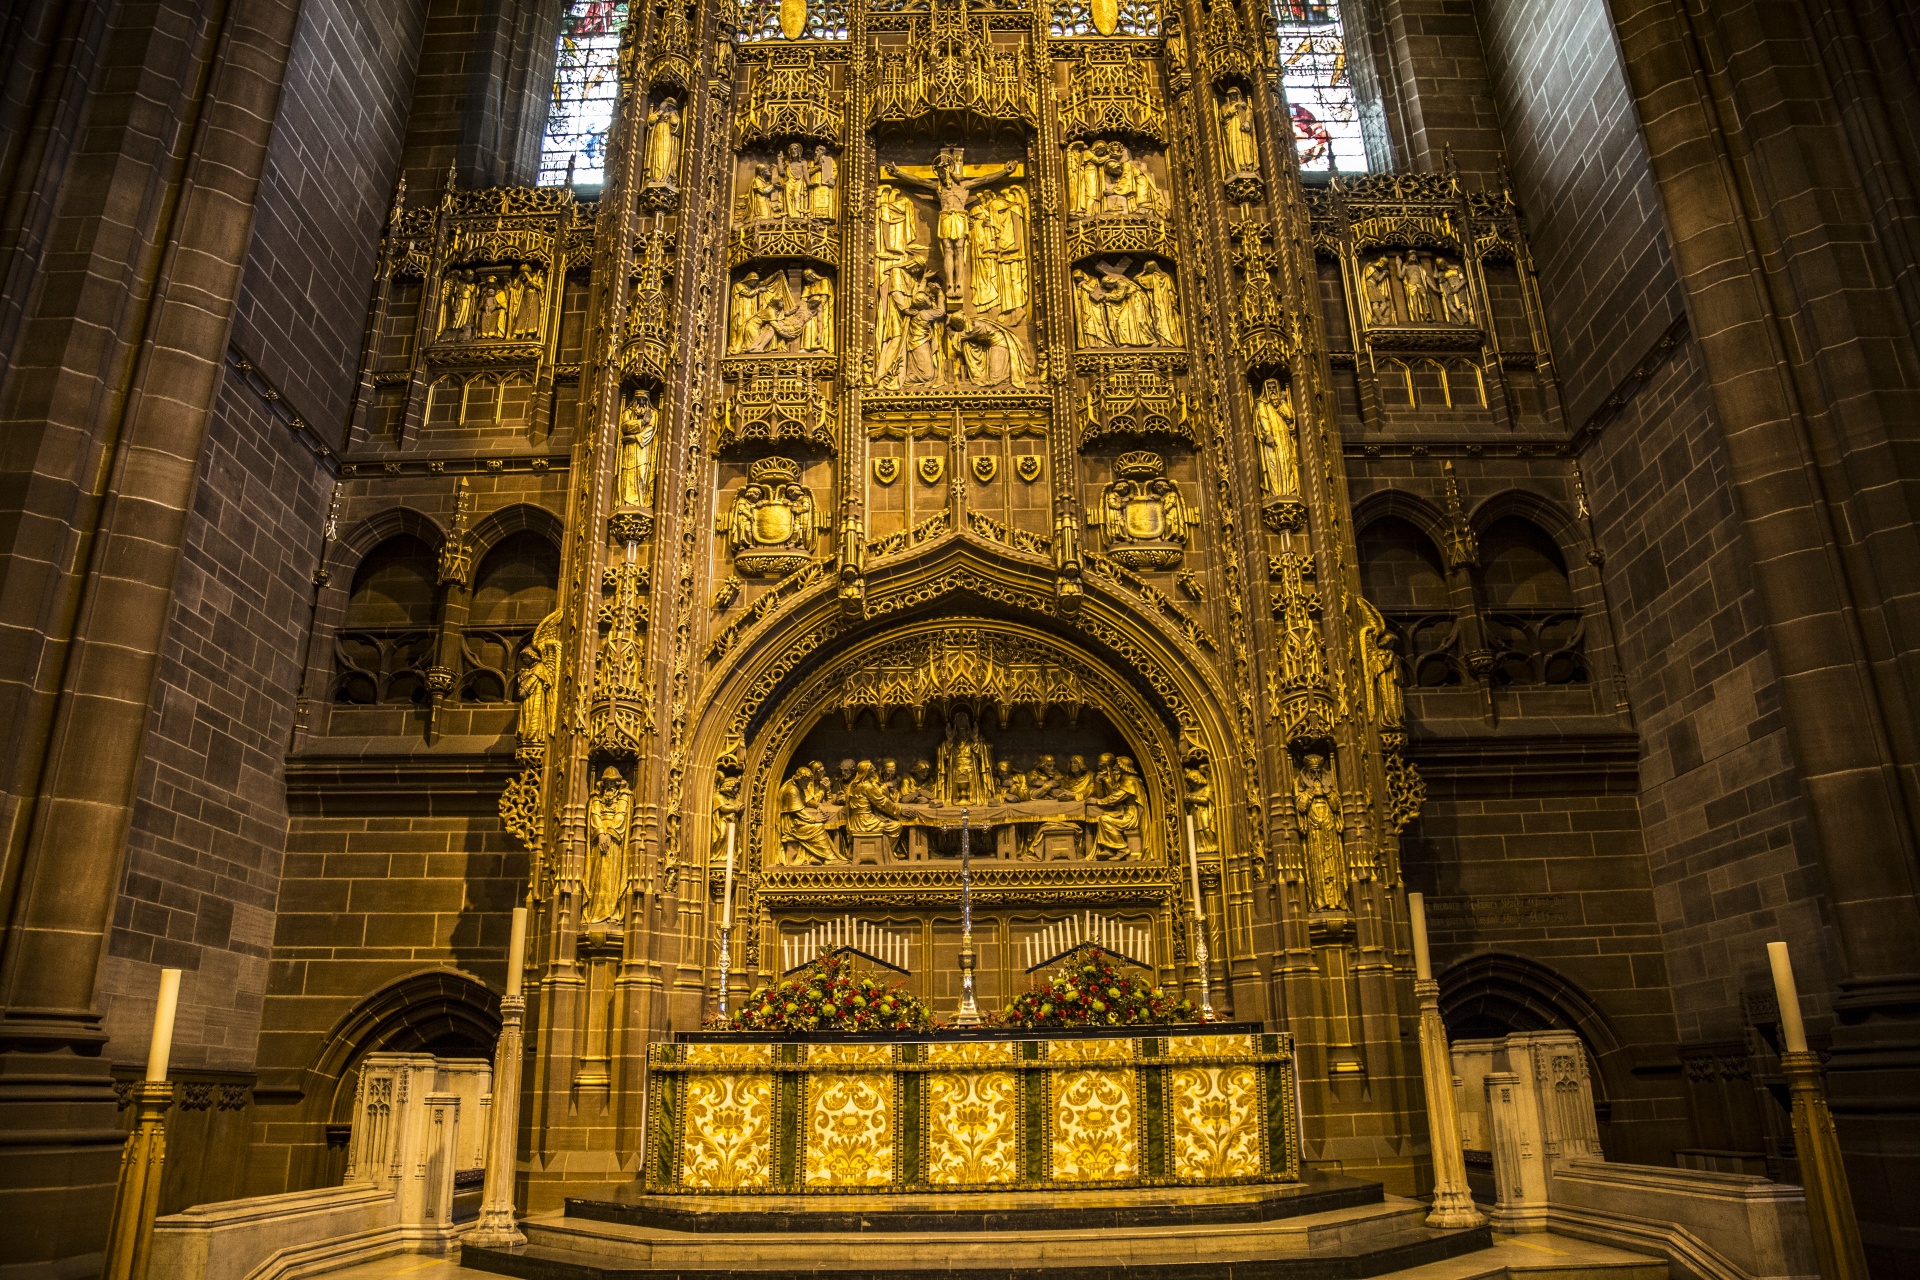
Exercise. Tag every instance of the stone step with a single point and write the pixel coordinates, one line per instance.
(1337, 1244)
(976, 1211)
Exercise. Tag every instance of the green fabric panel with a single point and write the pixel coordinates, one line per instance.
(787, 1120)
(911, 1132)
(1035, 1088)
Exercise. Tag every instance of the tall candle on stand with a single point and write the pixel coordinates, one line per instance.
(1417, 916)
(1792, 1029)
(161, 1046)
(726, 892)
(1193, 863)
(516, 952)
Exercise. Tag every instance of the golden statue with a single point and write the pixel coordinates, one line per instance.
(1279, 458)
(816, 299)
(1376, 290)
(953, 189)
(965, 763)
(1317, 817)
(639, 426)
(536, 681)
(1380, 657)
(659, 163)
(727, 808)
(1236, 122)
(1163, 301)
(1206, 835)
(804, 839)
(1120, 799)
(870, 810)
(609, 814)
(823, 178)
(1142, 514)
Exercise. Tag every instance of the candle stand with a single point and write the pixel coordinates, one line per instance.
(969, 1014)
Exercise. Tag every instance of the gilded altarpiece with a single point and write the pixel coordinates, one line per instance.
(952, 449)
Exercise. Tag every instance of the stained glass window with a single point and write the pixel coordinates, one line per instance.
(586, 80)
(1313, 67)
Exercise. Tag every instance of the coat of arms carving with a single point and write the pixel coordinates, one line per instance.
(932, 467)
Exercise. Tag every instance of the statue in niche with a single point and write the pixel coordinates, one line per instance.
(1450, 282)
(1121, 799)
(609, 815)
(744, 310)
(1163, 301)
(493, 309)
(538, 677)
(816, 296)
(1273, 418)
(458, 295)
(952, 189)
(1106, 178)
(992, 355)
(870, 810)
(793, 182)
(530, 295)
(896, 237)
(1380, 657)
(1010, 215)
(764, 196)
(1144, 517)
(639, 426)
(1417, 283)
(1129, 311)
(965, 763)
(1089, 315)
(659, 162)
(912, 330)
(1206, 833)
(1242, 143)
(823, 177)
(1376, 292)
(1317, 817)
(727, 808)
(802, 828)
(985, 274)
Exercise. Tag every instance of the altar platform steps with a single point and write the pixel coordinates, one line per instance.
(1330, 1229)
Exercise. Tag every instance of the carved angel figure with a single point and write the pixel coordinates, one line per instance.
(536, 680)
(1380, 657)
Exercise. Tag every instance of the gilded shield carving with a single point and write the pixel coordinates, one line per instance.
(932, 467)
(973, 1130)
(1027, 467)
(1106, 16)
(727, 1137)
(1216, 1122)
(886, 470)
(793, 18)
(849, 1129)
(985, 467)
(1093, 1126)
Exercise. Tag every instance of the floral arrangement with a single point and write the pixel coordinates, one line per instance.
(1088, 991)
(827, 996)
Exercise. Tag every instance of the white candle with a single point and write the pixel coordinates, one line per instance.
(1792, 1029)
(1417, 912)
(1193, 865)
(516, 952)
(162, 1043)
(726, 894)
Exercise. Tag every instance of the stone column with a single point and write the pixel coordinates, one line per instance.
(1815, 387)
(105, 404)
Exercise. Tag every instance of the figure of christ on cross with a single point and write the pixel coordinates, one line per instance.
(952, 188)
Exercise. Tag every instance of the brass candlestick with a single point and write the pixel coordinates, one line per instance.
(969, 1015)
(136, 1200)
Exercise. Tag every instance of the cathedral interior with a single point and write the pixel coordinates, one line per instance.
(707, 472)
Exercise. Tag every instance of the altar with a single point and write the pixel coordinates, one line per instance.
(1190, 1105)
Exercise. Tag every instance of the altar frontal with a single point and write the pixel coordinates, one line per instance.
(1212, 1106)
